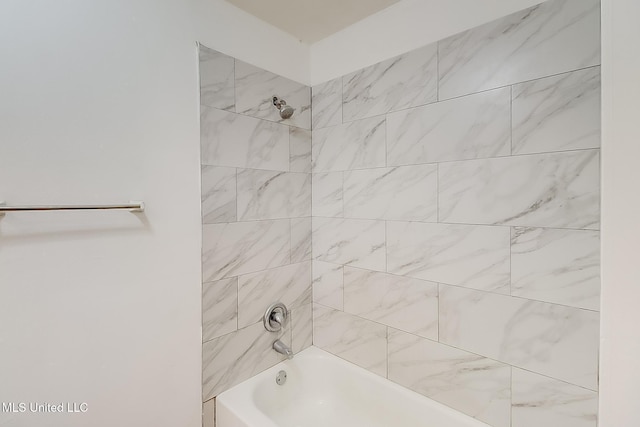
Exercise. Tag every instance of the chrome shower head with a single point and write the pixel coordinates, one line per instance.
(286, 111)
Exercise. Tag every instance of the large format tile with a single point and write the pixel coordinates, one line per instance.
(557, 113)
(255, 89)
(301, 327)
(542, 190)
(290, 285)
(533, 43)
(404, 303)
(327, 104)
(352, 338)
(269, 195)
(217, 87)
(218, 194)
(465, 255)
(244, 247)
(327, 194)
(356, 242)
(235, 357)
(401, 193)
(470, 127)
(553, 340)
(559, 266)
(542, 401)
(299, 150)
(228, 139)
(219, 308)
(469, 383)
(300, 239)
(355, 145)
(402, 82)
(328, 284)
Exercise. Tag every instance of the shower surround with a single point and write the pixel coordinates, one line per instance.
(455, 208)
(256, 215)
(456, 216)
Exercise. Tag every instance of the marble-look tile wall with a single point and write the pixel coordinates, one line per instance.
(455, 218)
(256, 216)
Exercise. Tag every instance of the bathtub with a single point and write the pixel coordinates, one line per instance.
(322, 390)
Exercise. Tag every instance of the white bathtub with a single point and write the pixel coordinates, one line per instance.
(323, 390)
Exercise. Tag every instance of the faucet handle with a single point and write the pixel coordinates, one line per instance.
(275, 317)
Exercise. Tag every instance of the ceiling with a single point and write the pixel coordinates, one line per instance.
(312, 20)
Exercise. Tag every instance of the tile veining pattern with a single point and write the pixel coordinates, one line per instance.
(455, 218)
(256, 216)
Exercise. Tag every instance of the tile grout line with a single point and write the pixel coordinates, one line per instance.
(478, 159)
(506, 364)
(440, 283)
(416, 106)
(504, 86)
(463, 224)
(521, 82)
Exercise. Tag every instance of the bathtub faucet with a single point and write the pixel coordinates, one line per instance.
(282, 348)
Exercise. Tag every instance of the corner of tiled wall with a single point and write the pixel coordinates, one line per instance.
(456, 218)
(256, 216)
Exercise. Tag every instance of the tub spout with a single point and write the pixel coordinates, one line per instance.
(282, 348)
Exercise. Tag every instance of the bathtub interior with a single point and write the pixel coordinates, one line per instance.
(324, 390)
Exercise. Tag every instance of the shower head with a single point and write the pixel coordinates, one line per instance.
(286, 111)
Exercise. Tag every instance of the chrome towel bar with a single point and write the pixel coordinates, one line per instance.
(131, 206)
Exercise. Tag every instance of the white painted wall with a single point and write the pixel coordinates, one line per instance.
(620, 336)
(99, 104)
(400, 28)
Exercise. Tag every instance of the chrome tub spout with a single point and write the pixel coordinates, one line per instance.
(282, 348)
